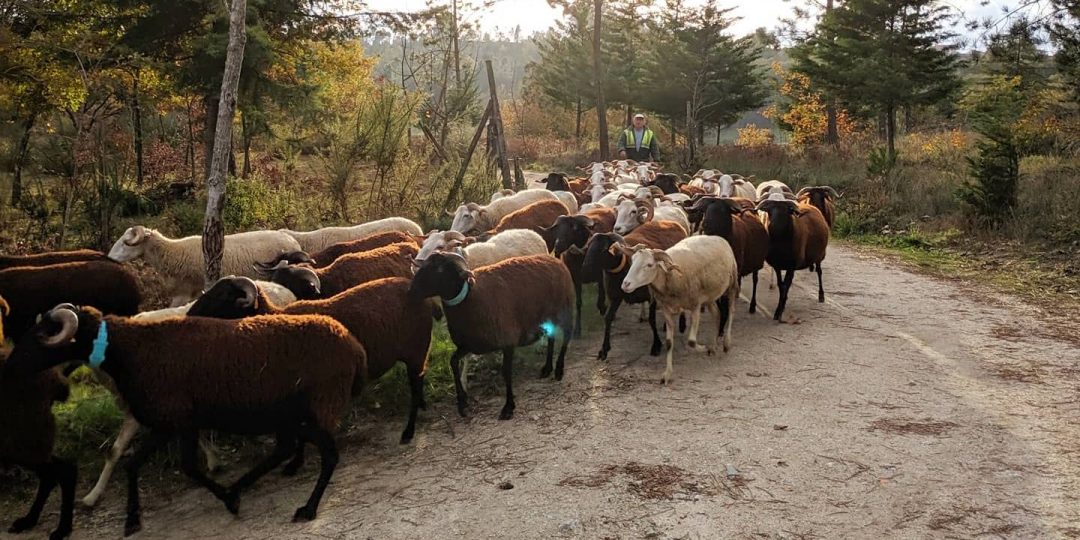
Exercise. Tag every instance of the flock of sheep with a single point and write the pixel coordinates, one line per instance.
(305, 319)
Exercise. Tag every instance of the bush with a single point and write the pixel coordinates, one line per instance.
(251, 204)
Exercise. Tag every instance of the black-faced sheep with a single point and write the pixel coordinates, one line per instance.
(392, 326)
(180, 261)
(571, 233)
(27, 437)
(499, 307)
(735, 220)
(353, 269)
(821, 197)
(287, 375)
(51, 257)
(698, 271)
(320, 239)
(31, 291)
(604, 260)
(798, 238)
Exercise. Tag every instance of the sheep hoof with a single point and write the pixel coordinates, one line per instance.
(558, 374)
(545, 371)
(461, 410)
(60, 533)
(22, 524)
(655, 350)
(507, 413)
(303, 514)
(232, 502)
(753, 308)
(132, 526)
(602, 355)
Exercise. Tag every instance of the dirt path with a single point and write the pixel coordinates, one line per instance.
(905, 406)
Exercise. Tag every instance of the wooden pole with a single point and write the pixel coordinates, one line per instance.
(500, 133)
(598, 80)
(456, 187)
(213, 240)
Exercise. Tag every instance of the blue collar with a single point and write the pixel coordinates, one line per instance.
(101, 342)
(460, 296)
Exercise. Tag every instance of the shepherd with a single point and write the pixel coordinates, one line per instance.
(638, 142)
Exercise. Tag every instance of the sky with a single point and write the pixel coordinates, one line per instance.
(536, 15)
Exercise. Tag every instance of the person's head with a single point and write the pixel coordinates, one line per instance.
(639, 120)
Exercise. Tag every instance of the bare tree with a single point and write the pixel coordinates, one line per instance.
(213, 243)
(601, 106)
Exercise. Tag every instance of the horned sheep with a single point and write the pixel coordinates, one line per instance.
(320, 239)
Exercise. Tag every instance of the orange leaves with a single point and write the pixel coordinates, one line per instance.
(803, 110)
(751, 135)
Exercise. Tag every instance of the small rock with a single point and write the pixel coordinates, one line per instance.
(778, 427)
(505, 484)
(570, 527)
(732, 472)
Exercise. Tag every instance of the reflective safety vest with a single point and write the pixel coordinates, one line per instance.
(646, 139)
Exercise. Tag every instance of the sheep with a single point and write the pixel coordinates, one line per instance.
(603, 260)
(632, 213)
(763, 189)
(180, 261)
(536, 217)
(279, 294)
(667, 182)
(569, 200)
(27, 438)
(498, 307)
(182, 375)
(698, 271)
(729, 186)
(472, 218)
(734, 220)
(392, 326)
(571, 233)
(51, 257)
(350, 270)
(556, 182)
(501, 246)
(326, 257)
(645, 172)
(320, 239)
(798, 238)
(822, 199)
(31, 291)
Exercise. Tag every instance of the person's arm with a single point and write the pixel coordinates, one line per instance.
(654, 149)
(622, 144)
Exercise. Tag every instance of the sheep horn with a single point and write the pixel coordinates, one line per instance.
(832, 192)
(251, 293)
(454, 235)
(66, 316)
(649, 211)
(662, 256)
(138, 234)
(802, 192)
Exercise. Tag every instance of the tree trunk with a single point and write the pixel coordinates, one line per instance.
(598, 79)
(211, 105)
(718, 128)
(890, 130)
(832, 134)
(245, 140)
(691, 135)
(701, 135)
(20, 159)
(629, 116)
(457, 47)
(909, 119)
(577, 125)
(136, 127)
(213, 241)
(191, 142)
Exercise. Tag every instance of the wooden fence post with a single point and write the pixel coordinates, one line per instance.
(500, 133)
(456, 187)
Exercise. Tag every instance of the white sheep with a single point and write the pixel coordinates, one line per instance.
(568, 199)
(729, 186)
(320, 239)
(180, 260)
(629, 213)
(472, 217)
(502, 246)
(763, 189)
(698, 271)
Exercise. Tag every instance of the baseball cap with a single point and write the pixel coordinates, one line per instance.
(639, 115)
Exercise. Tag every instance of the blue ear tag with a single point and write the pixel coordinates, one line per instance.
(460, 296)
(101, 342)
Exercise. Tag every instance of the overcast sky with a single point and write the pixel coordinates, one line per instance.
(537, 15)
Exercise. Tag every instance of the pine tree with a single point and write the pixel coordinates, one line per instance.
(882, 54)
(1017, 52)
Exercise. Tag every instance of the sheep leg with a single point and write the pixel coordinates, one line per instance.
(577, 299)
(785, 288)
(726, 305)
(297, 461)
(157, 440)
(120, 445)
(455, 366)
(753, 295)
(820, 285)
(46, 483)
(609, 319)
(656, 344)
(546, 370)
(669, 340)
(508, 378)
(561, 362)
(465, 371)
(283, 448)
(329, 457)
(189, 463)
(601, 299)
(416, 387)
(643, 314)
(66, 474)
(682, 323)
(695, 325)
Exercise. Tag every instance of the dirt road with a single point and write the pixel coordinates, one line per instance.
(904, 407)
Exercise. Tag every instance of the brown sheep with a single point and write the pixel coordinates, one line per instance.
(291, 376)
(798, 238)
(353, 269)
(499, 307)
(51, 257)
(30, 291)
(735, 220)
(536, 217)
(391, 326)
(570, 234)
(27, 438)
(605, 262)
(822, 199)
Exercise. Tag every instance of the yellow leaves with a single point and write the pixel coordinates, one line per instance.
(751, 135)
(342, 72)
(805, 111)
(942, 148)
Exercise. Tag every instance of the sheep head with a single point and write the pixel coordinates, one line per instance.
(444, 275)
(646, 267)
(231, 297)
(60, 335)
(467, 217)
(131, 245)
